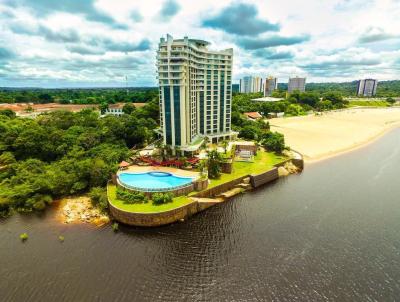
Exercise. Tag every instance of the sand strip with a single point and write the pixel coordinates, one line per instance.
(336, 132)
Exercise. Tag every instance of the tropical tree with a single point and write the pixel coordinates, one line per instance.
(214, 164)
(103, 107)
(273, 141)
(225, 145)
(128, 108)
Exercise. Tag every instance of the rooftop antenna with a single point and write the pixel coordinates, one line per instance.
(126, 85)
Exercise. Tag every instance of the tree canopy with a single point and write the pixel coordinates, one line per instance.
(63, 153)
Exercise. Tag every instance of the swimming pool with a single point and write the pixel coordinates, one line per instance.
(153, 181)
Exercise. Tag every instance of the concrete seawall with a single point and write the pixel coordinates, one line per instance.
(258, 180)
(154, 219)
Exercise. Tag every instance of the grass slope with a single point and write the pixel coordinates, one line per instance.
(263, 162)
(144, 207)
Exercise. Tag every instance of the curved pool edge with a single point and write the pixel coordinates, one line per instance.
(172, 189)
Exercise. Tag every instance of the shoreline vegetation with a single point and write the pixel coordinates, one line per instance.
(61, 153)
(320, 137)
(262, 162)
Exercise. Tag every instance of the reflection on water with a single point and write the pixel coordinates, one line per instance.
(331, 233)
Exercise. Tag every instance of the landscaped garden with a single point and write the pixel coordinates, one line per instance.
(145, 206)
(262, 162)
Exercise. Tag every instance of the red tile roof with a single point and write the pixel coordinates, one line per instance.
(124, 164)
(253, 115)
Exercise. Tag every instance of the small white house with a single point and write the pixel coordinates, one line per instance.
(114, 109)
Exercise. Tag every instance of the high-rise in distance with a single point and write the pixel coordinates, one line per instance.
(367, 87)
(195, 88)
(270, 85)
(250, 84)
(297, 84)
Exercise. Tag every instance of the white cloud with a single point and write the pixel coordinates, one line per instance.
(66, 47)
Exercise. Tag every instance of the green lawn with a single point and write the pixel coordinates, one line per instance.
(145, 207)
(368, 103)
(263, 162)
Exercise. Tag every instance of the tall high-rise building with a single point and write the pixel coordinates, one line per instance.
(297, 84)
(251, 84)
(367, 87)
(246, 85)
(195, 91)
(257, 84)
(270, 85)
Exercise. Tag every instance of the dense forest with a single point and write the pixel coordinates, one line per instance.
(146, 94)
(349, 89)
(78, 96)
(64, 153)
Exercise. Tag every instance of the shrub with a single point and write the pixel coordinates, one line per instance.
(214, 164)
(115, 227)
(294, 110)
(131, 197)
(23, 237)
(324, 105)
(274, 141)
(162, 198)
(391, 101)
(98, 196)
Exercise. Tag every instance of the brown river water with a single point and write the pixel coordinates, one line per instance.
(331, 233)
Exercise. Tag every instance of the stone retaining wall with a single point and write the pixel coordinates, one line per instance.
(154, 219)
(201, 184)
(226, 167)
(220, 189)
(258, 180)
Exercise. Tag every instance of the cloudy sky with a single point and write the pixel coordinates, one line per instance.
(72, 43)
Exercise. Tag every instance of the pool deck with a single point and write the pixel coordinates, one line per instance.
(175, 171)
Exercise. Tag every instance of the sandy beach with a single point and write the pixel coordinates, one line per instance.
(336, 132)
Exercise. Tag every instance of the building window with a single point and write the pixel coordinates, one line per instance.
(167, 105)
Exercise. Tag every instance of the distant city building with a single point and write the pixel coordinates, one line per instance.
(195, 92)
(297, 84)
(246, 85)
(251, 84)
(270, 85)
(257, 85)
(235, 87)
(367, 87)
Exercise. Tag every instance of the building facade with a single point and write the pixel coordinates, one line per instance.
(270, 85)
(195, 86)
(246, 85)
(367, 87)
(251, 84)
(257, 84)
(297, 84)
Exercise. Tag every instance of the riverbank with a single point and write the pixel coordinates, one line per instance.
(319, 137)
(79, 209)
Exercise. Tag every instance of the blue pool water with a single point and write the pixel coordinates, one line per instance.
(153, 180)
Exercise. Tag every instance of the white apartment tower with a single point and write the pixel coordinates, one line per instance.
(195, 92)
(246, 85)
(270, 85)
(251, 84)
(297, 84)
(257, 84)
(367, 87)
